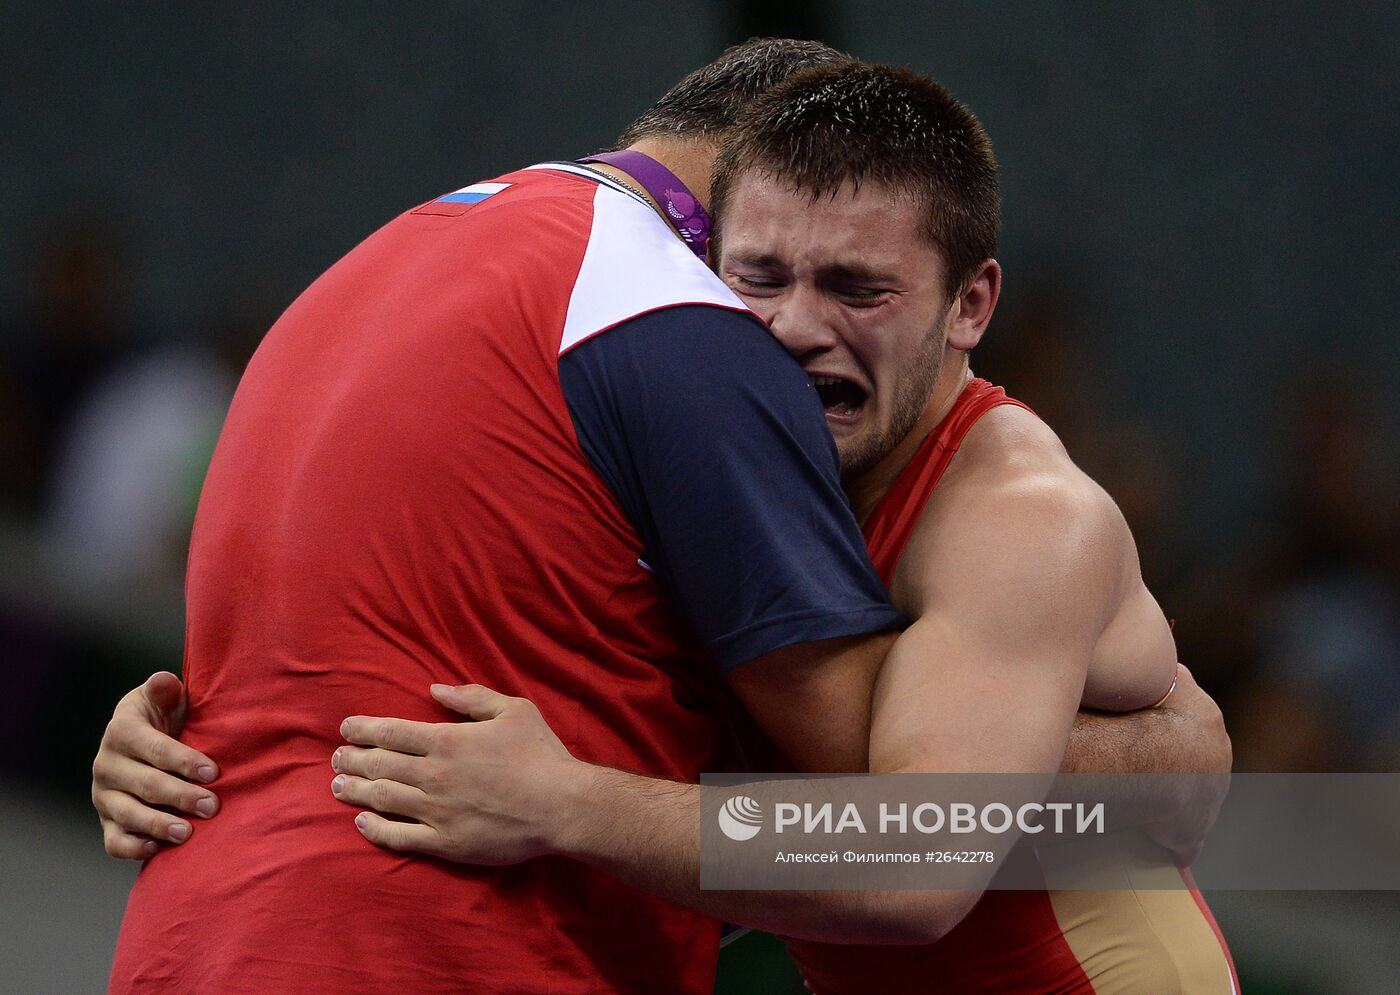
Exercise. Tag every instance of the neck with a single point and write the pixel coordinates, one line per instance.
(867, 490)
(690, 159)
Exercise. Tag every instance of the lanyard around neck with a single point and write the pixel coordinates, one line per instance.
(682, 208)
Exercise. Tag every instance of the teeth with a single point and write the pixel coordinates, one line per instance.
(825, 381)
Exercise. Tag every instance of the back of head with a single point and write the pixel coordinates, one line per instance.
(856, 123)
(706, 102)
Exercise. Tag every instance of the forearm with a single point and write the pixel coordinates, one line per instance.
(1184, 737)
(646, 832)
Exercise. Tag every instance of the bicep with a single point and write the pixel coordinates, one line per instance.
(991, 673)
(953, 699)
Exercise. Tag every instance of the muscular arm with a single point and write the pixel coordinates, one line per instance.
(646, 831)
(1010, 597)
(516, 792)
(1010, 604)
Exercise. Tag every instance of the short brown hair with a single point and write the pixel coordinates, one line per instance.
(859, 123)
(706, 102)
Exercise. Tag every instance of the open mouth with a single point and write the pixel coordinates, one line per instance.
(839, 397)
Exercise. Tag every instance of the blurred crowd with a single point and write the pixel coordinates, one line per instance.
(107, 422)
(108, 419)
(1292, 621)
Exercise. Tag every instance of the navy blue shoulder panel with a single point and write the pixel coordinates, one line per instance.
(715, 445)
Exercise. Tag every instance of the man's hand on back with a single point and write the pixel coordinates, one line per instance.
(502, 788)
(478, 795)
(141, 769)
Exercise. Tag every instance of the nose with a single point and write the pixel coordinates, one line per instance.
(802, 324)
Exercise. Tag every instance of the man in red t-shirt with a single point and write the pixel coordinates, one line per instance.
(495, 442)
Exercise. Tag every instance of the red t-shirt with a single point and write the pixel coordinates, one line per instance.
(399, 498)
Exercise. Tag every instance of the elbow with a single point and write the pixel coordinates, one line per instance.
(916, 918)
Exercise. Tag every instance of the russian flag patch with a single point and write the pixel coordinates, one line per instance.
(457, 202)
(473, 194)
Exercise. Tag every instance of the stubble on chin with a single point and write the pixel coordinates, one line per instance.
(863, 452)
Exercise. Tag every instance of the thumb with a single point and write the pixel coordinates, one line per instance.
(475, 701)
(166, 696)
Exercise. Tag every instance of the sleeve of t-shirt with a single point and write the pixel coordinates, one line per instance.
(715, 445)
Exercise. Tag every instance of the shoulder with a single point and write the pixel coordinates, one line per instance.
(689, 355)
(1015, 513)
(633, 265)
(1013, 463)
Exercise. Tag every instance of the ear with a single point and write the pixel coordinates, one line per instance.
(974, 306)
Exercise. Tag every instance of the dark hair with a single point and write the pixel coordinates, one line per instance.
(707, 101)
(859, 123)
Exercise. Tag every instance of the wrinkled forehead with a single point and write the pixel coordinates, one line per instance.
(772, 219)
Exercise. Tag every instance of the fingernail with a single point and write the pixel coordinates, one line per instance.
(205, 772)
(440, 688)
(337, 785)
(205, 807)
(180, 832)
(361, 820)
(149, 848)
(335, 759)
(345, 728)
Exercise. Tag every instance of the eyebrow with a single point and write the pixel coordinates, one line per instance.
(854, 274)
(838, 271)
(766, 259)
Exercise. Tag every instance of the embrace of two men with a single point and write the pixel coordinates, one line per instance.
(524, 445)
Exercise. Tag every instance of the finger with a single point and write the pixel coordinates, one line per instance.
(399, 735)
(138, 740)
(126, 846)
(375, 764)
(392, 835)
(382, 795)
(129, 815)
(472, 700)
(113, 772)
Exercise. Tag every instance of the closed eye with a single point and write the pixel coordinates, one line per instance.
(862, 296)
(753, 284)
